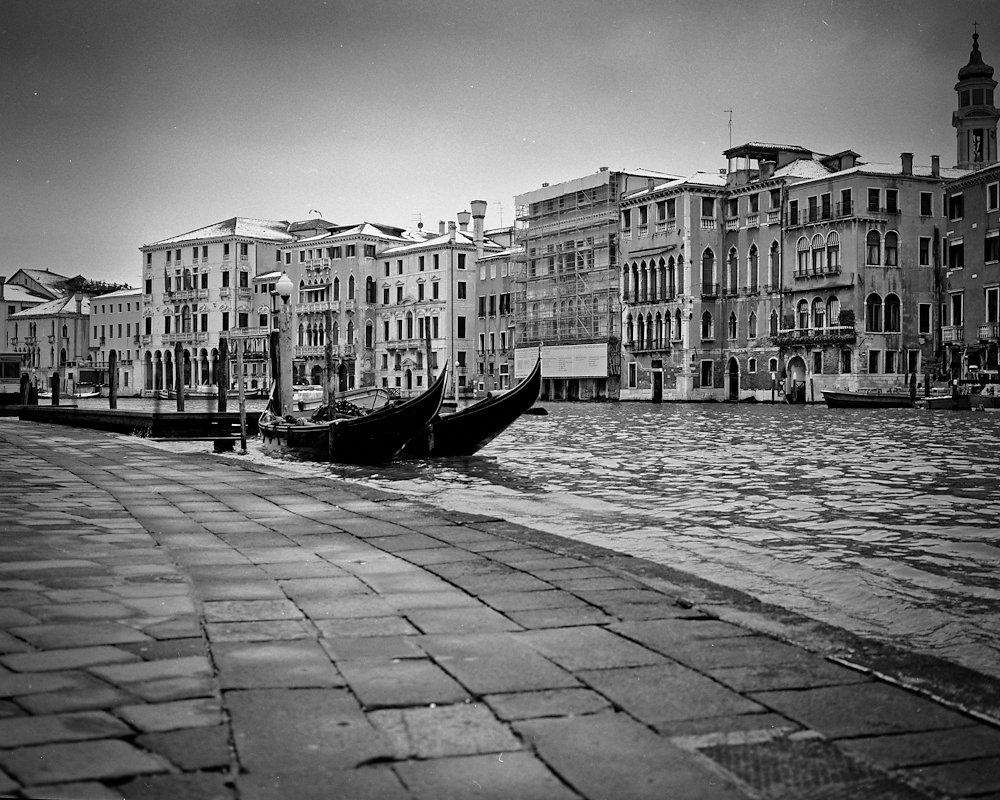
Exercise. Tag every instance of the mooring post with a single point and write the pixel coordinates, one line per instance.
(113, 380)
(179, 374)
(54, 384)
(25, 383)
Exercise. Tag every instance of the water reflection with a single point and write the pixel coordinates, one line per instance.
(880, 521)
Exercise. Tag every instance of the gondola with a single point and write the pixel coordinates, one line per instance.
(872, 399)
(471, 429)
(372, 438)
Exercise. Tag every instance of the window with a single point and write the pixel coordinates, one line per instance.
(225, 320)
(846, 206)
(707, 378)
(627, 220)
(149, 259)
(369, 251)
(956, 207)
(661, 211)
(793, 212)
(302, 256)
(802, 314)
(707, 330)
(924, 251)
(385, 268)
(147, 290)
(892, 249)
(873, 248)
(825, 206)
(818, 254)
(873, 361)
(802, 256)
(632, 375)
(817, 362)
(774, 198)
(437, 260)
(435, 290)
(891, 201)
(833, 252)
(493, 305)
(752, 266)
(873, 313)
(956, 254)
(813, 209)
(993, 197)
(924, 318)
(708, 206)
(420, 290)
(752, 365)
(462, 290)
(754, 200)
(460, 327)
(890, 361)
(874, 200)
(244, 280)
(891, 314)
(399, 294)
(957, 309)
(991, 247)
(926, 204)
(752, 327)
(993, 305)
(420, 263)
(845, 361)
(818, 313)
(732, 325)
(288, 258)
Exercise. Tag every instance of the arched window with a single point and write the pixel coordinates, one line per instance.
(706, 326)
(335, 334)
(370, 290)
(652, 280)
(802, 256)
(732, 267)
(818, 254)
(892, 249)
(819, 313)
(732, 325)
(635, 283)
(629, 331)
(752, 326)
(772, 365)
(659, 329)
(65, 332)
(336, 288)
(640, 332)
(873, 248)
(772, 326)
(671, 279)
(680, 274)
(350, 333)
(752, 268)
(650, 341)
(302, 292)
(369, 335)
(625, 282)
(833, 312)
(643, 282)
(890, 314)
(708, 271)
(677, 326)
(802, 313)
(350, 288)
(873, 313)
(774, 266)
(833, 252)
(409, 325)
(186, 319)
(663, 280)
(302, 335)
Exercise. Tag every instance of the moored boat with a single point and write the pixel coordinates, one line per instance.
(79, 393)
(872, 399)
(372, 438)
(470, 429)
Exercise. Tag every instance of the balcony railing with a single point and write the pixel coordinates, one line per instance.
(952, 333)
(774, 217)
(710, 290)
(732, 224)
(643, 231)
(990, 330)
(752, 220)
(836, 334)
(185, 338)
(708, 223)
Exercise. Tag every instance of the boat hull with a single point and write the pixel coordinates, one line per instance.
(370, 439)
(467, 431)
(867, 399)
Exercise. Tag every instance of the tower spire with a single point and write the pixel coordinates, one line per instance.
(976, 118)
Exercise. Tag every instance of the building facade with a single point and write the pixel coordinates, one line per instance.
(114, 330)
(496, 330)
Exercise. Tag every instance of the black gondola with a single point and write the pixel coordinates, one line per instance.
(471, 429)
(369, 439)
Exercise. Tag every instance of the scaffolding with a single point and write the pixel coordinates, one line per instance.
(566, 284)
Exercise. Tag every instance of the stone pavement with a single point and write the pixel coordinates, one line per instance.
(186, 626)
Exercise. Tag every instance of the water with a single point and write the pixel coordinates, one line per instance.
(882, 522)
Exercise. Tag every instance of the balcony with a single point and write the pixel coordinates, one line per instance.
(708, 223)
(225, 291)
(730, 291)
(837, 334)
(952, 334)
(243, 291)
(661, 227)
(772, 288)
(709, 290)
(185, 338)
(753, 221)
(774, 217)
(990, 330)
(732, 224)
(643, 231)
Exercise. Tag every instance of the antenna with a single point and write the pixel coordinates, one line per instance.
(729, 111)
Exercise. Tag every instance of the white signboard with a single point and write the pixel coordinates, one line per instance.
(564, 361)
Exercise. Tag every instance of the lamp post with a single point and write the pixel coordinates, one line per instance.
(283, 288)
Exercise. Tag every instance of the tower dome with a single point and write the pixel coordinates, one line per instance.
(976, 68)
(975, 119)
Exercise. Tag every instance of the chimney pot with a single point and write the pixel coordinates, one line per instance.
(907, 162)
(463, 220)
(441, 226)
(936, 166)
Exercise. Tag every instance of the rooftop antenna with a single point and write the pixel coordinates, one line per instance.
(729, 111)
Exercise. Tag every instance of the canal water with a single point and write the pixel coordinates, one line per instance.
(882, 522)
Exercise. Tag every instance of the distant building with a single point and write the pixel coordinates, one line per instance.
(56, 339)
(567, 289)
(496, 329)
(18, 293)
(114, 329)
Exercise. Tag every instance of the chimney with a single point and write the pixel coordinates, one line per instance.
(907, 161)
(463, 220)
(649, 184)
(451, 232)
(935, 166)
(478, 215)
(441, 227)
(79, 303)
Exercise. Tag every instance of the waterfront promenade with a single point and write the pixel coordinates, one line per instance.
(186, 626)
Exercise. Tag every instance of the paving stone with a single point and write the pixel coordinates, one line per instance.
(546, 703)
(610, 755)
(666, 692)
(263, 631)
(669, 635)
(365, 626)
(364, 783)
(862, 709)
(289, 664)
(439, 555)
(16, 683)
(170, 648)
(587, 648)
(488, 663)
(189, 666)
(238, 590)
(324, 588)
(373, 647)
(85, 611)
(971, 777)
(301, 731)
(559, 617)
(522, 601)
(87, 790)
(73, 658)
(162, 606)
(808, 672)
(250, 610)
(380, 683)
(198, 713)
(509, 775)
(464, 620)
(190, 748)
(177, 628)
(21, 731)
(772, 724)
(444, 730)
(351, 606)
(81, 634)
(79, 761)
(204, 786)
(161, 691)
(86, 692)
(928, 747)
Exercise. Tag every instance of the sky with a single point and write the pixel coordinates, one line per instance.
(123, 122)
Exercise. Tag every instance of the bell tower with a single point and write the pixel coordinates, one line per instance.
(976, 117)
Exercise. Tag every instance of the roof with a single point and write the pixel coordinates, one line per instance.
(243, 227)
(52, 281)
(805, 168)
(758, 149)
(119, 293)
(699, 179)
(462, 238)
(373, 229)
(975, 68)
(15, 293)
(61, 305)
